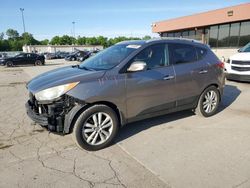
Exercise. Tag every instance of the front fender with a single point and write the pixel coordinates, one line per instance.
(70, 117)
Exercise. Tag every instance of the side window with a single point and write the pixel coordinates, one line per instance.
(201, 52)
(182, 53)
(154, 56)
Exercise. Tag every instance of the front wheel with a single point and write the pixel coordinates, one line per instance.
(95, 128)
(9, 64)
(208, 102)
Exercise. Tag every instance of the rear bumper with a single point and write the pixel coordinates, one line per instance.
(238, 77)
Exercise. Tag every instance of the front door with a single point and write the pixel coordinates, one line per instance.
(153, 90)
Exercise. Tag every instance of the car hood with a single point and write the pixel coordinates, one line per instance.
(242, 56)
(62, 76)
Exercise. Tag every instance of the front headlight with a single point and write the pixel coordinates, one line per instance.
(54, 92)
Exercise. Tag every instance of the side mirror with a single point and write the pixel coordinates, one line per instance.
(137, 66)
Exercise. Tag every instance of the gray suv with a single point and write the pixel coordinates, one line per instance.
(127, 82)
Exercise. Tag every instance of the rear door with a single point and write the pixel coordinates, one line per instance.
(190, 72)
(153, 90)
(32, 58)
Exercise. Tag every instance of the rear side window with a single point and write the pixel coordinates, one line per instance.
(182, 53)
(201, 52)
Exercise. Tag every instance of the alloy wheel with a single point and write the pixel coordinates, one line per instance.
(210, 101)
(97, 129)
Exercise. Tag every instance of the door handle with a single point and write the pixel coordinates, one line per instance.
(168, 77)
(203, 71)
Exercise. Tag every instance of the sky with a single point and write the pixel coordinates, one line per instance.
(109, 18)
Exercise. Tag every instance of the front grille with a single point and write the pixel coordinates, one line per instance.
(241, 69)
(240, 62)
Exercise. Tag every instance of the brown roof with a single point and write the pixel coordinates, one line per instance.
(225, 15)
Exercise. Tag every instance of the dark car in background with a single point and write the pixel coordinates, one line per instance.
(24, 59)
(49, 56)
(86, 54)
(77, 56)
(61, 55)
(127, 82)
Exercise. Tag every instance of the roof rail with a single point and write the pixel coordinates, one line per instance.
(174, 38)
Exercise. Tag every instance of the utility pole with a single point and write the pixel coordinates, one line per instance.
(22, 9)
(73, 28)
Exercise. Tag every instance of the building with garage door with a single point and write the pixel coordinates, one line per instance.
(225, 30)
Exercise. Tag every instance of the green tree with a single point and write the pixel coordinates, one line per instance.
(55, 40)
(12, 34)
(91, 41)
(4, 45)
(15, 45)
(81, 40)
(146, 37)
(28, 38)
(65, 40)
(102, 41)
(44, 42)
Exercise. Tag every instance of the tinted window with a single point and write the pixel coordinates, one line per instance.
(185, 34)
(164, 34)
(198, 34)
(154, 56)
(201, 52)
(223, 37)
(170, 34)
(234, 34)
(33, 55)
(178, 34)
(22, 55)
(191, 34)
(182, 53)
(213, 36)
(244, 33)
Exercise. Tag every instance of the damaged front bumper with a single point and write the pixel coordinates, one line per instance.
(56, 116)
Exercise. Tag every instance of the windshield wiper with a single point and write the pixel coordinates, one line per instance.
(75, 66)
(86, 68)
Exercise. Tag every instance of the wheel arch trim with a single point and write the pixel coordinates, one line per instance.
(71, 117)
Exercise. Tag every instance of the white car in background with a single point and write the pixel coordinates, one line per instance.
(238, 65)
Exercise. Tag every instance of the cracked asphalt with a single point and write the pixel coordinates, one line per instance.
(176, 150)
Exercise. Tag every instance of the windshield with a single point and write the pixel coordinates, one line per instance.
(245, 48)
(109, 57)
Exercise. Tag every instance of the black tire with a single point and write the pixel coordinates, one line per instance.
(84, 117)
(9, 64)
(38, 63)
(200, 106)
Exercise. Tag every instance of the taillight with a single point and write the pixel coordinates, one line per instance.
(220, 65)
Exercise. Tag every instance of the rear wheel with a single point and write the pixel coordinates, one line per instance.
(38, 63)
(9, 64)
(95, 128)
(208, 102)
